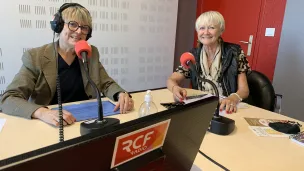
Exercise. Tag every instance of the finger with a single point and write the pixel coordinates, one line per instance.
(67, 116)
(126, 105)
(121, 104)
(54, 122)
(234, 109)
(184, 93)
(63, 121)
(226, 103)
(223, 104)
(116, 107)
(130, 106)
(177, 93)
(67, 119)
(230, 108)
(70, 115)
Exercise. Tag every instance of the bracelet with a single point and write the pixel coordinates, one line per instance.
(240, 99)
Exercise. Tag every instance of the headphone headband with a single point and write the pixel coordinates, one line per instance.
(67, 5)
(57, 24)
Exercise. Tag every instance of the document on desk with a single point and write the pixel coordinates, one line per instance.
(2, 122)
(194, 98)
(88, 110)
(259, 127)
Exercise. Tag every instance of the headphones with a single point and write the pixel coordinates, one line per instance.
(57, 24)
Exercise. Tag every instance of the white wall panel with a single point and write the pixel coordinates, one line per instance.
(135, 38)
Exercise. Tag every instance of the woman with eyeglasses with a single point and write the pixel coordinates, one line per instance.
(34, 86)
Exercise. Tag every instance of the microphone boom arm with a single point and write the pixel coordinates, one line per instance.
(219, 125)
(100, 111)
(192, 67)
(100, 123)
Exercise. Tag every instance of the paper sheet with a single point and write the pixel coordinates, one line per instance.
(259, 127)
(240, 105)
(187, 101)
(2, 122)
(88, 110)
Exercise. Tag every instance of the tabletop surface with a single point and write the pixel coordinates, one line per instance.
(241, 150)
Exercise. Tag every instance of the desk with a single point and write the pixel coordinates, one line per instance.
(242, 150)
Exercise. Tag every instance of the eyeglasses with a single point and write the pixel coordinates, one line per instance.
(73, 26)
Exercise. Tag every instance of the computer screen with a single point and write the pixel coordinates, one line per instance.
(185, 131)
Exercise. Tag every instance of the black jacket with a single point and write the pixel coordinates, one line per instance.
(229, 73)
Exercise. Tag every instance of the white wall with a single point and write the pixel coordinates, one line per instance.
(135, 38)
(289, 73)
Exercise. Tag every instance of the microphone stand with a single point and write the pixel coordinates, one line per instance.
(101, 122)
(219, 124)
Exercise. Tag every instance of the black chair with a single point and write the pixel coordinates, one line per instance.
(262, 93)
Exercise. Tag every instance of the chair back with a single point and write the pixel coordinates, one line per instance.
(262, 93)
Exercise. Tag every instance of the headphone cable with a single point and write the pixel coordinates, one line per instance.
(60, 115)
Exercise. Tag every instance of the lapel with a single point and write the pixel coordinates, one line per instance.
(48, 66)
(226, 56)
(49, 70)
(83, 74)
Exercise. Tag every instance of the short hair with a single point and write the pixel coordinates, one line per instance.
(77, 13)
(210, 17)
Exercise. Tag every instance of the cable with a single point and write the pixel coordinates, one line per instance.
(60, 115)
(213, 161)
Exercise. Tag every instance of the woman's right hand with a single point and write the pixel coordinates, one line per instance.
(179, 93)
(51, 116)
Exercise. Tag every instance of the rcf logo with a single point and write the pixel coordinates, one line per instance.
(139, 142)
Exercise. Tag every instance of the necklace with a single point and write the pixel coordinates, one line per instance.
(212, 60)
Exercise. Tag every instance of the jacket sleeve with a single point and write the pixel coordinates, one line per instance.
(107, 85)
(14, 100)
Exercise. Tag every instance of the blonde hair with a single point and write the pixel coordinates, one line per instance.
(210, 17)
(77, 13)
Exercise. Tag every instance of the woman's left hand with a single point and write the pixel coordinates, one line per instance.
(125, 103)
(229, 104)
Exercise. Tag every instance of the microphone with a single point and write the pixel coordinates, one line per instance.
(84, 51)
(219, 125)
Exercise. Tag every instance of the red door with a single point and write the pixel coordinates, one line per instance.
(241, 21)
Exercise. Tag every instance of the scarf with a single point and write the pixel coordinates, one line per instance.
(212, 73)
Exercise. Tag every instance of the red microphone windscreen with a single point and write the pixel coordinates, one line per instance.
(83, 46)
(187, 56)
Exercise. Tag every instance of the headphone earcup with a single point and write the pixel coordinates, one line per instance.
(89, 35)
(57, 23)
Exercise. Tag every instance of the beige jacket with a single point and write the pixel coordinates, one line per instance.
(35, 84)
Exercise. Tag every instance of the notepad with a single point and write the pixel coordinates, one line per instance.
(88, 110)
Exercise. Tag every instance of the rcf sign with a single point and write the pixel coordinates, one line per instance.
(139, 142)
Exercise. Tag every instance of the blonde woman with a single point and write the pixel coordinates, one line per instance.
(222, 62)
(34, 86)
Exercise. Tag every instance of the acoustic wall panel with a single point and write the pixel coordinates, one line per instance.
(135, 38)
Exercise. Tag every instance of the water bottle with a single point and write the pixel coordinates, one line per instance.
(148, 106)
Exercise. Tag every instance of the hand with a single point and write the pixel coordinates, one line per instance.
(52, 116)
(179, 92)
(229, 103)
(125, 103)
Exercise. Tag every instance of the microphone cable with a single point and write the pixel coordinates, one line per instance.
(60, 115)
(213, 161)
